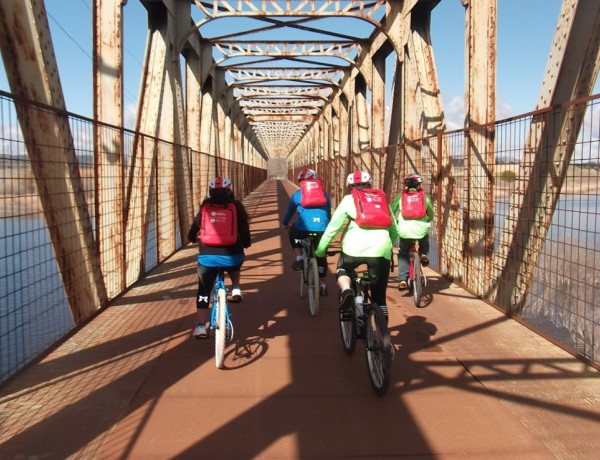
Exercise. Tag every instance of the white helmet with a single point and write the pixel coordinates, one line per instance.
(220, 186)
(358, 178)
(306, 173)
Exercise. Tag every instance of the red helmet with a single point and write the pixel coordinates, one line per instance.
(358, 178)
(306, 173)
(413, 181)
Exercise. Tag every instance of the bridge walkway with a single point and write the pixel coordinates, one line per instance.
(133, 383)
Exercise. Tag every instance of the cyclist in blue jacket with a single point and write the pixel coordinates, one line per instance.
(313, 206)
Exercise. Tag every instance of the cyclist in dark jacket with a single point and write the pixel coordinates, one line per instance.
(211, 257)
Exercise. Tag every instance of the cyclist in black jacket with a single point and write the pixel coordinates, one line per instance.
(212, 257)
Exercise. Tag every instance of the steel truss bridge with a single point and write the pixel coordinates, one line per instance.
(259, 89)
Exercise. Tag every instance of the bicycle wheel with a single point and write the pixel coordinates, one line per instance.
(379, 350)
(313, 286)
(348, 333)
(417, 281)
(303, 275)
(221, 329)
(302, 285)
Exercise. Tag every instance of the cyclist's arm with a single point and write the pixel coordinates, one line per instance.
(335, 224)
(430, 211)
(193, 232)
(294, 202)
(394, 232)
(396, 204)
(328, 205)
(243, 225)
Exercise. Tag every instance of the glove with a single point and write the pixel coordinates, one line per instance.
(320, 253)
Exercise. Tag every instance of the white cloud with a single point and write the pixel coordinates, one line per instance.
(454, 113)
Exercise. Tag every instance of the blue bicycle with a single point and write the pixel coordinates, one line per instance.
(219, 318)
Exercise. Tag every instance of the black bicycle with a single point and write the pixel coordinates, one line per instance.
(309, 276)
(369, 324)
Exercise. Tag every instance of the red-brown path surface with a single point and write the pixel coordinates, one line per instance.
(468, 383)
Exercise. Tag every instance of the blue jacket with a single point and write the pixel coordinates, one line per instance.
(309, 219)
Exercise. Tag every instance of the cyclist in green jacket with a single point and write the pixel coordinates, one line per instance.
(411, 229)
(370, 246)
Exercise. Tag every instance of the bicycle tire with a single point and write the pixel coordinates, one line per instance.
(221, 328)
(303, 274)
(302, 285)
(378, 350)
(417, 281)
(313, 286)
(348, 334)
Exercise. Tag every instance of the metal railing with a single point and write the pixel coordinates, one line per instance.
(521, 231)
(35, 307)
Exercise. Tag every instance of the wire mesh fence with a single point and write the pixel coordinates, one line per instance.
(127, 221)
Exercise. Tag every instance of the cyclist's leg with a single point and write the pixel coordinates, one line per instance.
(380, 267)
(404, 245)
(295, 236)
(206, 278)
(345, 265)
(233, 265)
(322, 263)
(424, 250)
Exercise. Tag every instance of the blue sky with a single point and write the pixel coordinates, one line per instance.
(525, 32)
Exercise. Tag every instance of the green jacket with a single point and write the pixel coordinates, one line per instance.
(357, 242)
(413, 229)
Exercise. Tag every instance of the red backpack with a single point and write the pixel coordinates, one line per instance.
(312, 192)
(218, 224)
(372, 210)
(414, 205)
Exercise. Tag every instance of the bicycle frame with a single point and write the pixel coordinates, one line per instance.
(219, 285)
(414, 252)
(370, 325)
(219, 318)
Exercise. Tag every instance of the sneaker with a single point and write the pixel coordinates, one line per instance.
(200, 332)
(424, 260)
(346, 305)
(402, 285)
(298, 265)
(236, 295)
(323, 290)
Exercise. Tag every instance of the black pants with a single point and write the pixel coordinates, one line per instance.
(378, 266)
(404, 245)
(206, 280)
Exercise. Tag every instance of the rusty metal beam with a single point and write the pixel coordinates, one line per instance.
(108, 108)
(480, 103)
(571, 72)
(28, 56)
